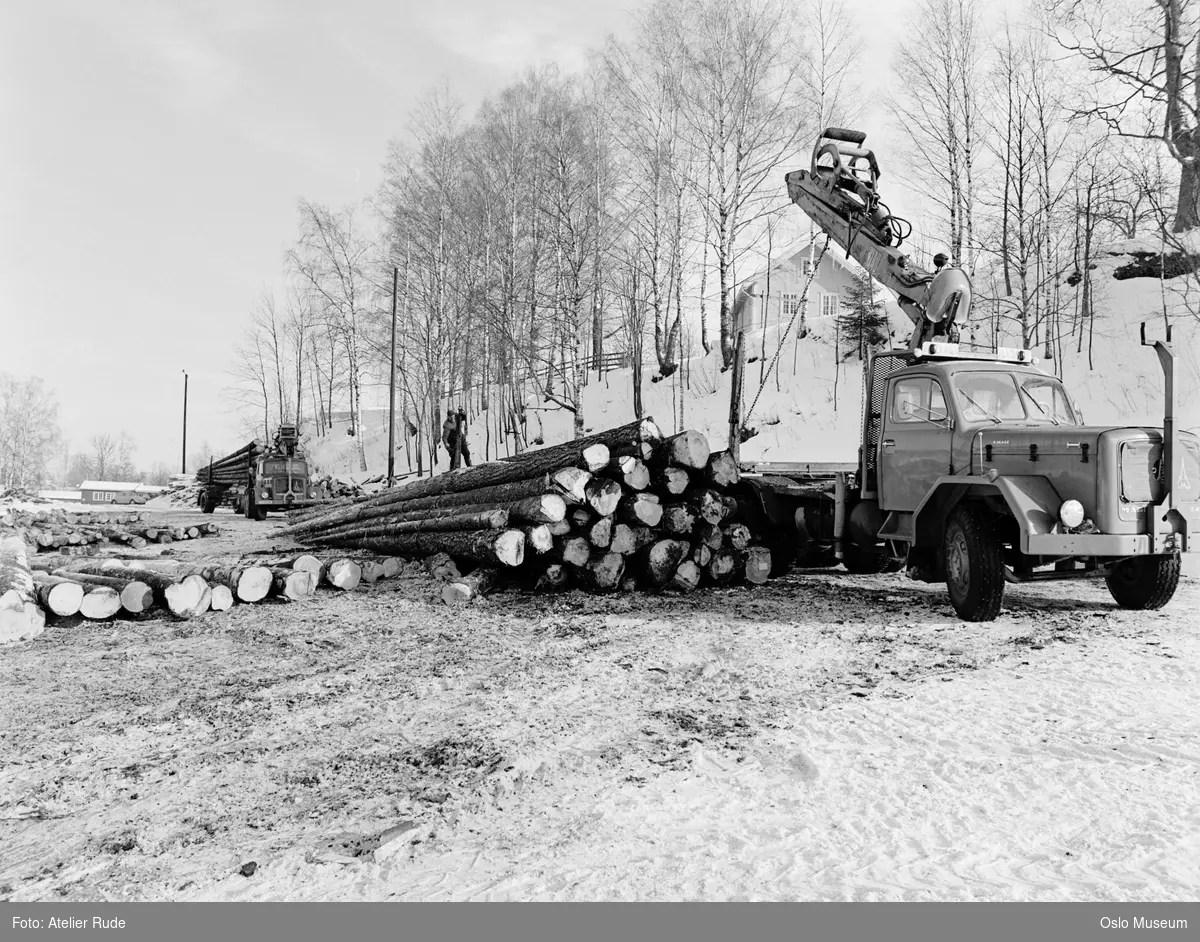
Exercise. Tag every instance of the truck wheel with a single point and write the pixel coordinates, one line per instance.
(864, 562)
(1144, 582)
(974, 565)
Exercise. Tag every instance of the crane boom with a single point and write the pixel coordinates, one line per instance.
(839, 193)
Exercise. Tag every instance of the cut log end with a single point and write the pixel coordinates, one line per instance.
(100, 603)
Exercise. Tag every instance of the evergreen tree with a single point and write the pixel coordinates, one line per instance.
(863, 322)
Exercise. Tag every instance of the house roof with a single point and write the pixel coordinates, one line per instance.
(109, 486)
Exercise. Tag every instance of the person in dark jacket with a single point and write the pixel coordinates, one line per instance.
(455, 422)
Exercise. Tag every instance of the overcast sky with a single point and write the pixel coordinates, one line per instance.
(154, 153)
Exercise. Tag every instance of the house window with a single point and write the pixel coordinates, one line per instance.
(791, 305)
(806, 267)
(830, 305)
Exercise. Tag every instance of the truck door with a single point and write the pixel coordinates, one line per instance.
(914, 447)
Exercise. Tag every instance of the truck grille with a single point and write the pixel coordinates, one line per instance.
(1143, 471)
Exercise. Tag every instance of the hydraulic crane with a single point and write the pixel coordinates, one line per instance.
(840, 193)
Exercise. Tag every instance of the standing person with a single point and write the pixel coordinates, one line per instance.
(454, 436)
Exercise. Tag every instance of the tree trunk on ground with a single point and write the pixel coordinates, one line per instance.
(222, 598)
(720, 568)
(702, 555)
(100, 603)
(339, 572)
(486, 547)
(478, 583)
(372, 571)
(136, 595)
(180, 592)
(708, 505)
(295, 585)
(59, 596)
(756, 566)
(21, 618)
(442, 567)
(738, 536)
(386, 526)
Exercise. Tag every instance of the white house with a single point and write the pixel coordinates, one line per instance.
(765, 303)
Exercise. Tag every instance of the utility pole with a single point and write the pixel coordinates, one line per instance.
(183, 460)
(391, 472)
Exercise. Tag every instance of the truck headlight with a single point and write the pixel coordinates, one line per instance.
(1071, 514)
(266, 495)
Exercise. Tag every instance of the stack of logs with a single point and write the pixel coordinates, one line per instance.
(620, 510)
(73, 532)
(102, 589)
(231, 469)
(60, 529)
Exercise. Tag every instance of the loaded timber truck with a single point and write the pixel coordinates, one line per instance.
(975, 467)
(259, 478)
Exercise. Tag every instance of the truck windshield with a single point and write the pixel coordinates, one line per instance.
(996, 396)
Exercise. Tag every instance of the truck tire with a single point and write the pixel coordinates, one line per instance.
(974, 565)
(863, 561)
(1144, 582)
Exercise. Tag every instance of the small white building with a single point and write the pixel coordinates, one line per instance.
(117, 492)
(756, 309)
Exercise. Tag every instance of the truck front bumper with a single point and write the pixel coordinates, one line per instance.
(1108, 544)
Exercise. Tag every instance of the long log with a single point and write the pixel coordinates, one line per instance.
(181, 592)
(688, 449)
(721, 568)
(478, 583)
(341, 573)
(222, 598)
(600, 533)
(572, 482)
(671, 480)
(678, 519)
(61, 597)
(442, 567)
(535, 509)
(295, 585)
(641, 509)
(99, 603)
(702, 554)
(372, 571)
(756, 565)
(709, 534)
(619, 440)
(553, 578)
(603, 495)
(383, 526)
(686, 577)
(604, 571)
(721, 470)
(538, 540)
(708, 504)
(738, 535)
(21, 618)
(487, 547)
(632, 472)
(573, 551)
(659, 562)
(628, 540)
(136, 596)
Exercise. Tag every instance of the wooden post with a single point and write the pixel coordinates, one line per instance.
(391, 471)
(735, 398)
(456, 451)
(183, 460)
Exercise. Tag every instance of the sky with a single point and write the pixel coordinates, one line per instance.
(154, 154)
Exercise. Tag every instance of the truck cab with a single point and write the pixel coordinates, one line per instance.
(977, 468)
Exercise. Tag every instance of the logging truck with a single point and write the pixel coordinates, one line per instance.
(975, 467)
(258, 478)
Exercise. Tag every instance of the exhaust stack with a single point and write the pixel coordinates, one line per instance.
(1168, 520)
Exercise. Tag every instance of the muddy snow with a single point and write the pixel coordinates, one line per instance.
(826, 736)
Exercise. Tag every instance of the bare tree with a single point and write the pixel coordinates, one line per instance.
(1146, 55)
(29, 433)
(104, 454)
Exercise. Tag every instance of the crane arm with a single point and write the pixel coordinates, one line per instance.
(839, 193)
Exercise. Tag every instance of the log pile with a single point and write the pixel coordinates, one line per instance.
(615, 511)
(102, 589)
(60, 529)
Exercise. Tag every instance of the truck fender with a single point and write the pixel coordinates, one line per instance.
(1031, 499)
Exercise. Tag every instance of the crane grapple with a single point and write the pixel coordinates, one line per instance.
(839, 192)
